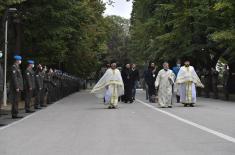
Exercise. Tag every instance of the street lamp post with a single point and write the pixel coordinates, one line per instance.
(10, 10)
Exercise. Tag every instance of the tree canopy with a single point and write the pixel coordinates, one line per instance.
(73, 35)
(167, 30)
(65, 34)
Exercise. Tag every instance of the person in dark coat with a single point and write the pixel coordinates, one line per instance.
(39, 87)
(199, 90)
(45, 86)
(176, 70)
(225, 82)
(215, 81)
(16, 86)
(128, 83)
(150, 78)
(136, 79)
(207, 82)
(145, 84)
(50, 86)
(29, 85)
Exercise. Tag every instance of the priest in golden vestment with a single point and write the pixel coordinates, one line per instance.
(187, 80)
(110, 87)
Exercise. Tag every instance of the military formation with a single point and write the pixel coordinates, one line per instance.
(39, 86)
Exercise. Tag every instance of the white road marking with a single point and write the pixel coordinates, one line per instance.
(216, 133)
(17, 122)
(27, 117)
(31, 115)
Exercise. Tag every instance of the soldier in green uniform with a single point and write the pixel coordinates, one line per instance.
(45, 85)
(39, 87)
(29, 85)
(50, 86)
(16, 86)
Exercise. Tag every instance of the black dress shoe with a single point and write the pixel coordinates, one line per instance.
(29, 111)
(169, 106)
(17, 117)
(191, 105)
(37, 108)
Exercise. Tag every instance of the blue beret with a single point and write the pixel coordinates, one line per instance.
(30, 62)
(17, 57)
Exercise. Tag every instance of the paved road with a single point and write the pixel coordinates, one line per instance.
(80, 125)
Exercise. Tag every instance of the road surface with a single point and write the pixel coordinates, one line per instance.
(81, 125)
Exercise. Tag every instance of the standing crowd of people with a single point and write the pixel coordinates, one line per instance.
(39, 85)
(184, 82)
(130, 76)
(161, 85)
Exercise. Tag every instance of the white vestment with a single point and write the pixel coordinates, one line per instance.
(110, 87)
(187, 80)
(165, 81)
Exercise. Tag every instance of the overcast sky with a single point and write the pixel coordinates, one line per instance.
(120, 8)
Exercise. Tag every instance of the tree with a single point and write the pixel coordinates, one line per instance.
(167, 30)
(65, 34)
(117, 38)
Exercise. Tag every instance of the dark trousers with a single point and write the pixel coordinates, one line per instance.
(134, 89)
(15, 103)
(128, 94)
(215, 91)
(226, 92)
(28, 99)
(1, 97)
(178, 98)
(146, 91)
(49, 98)
(39, 98)
(151, 92)
(207, 91)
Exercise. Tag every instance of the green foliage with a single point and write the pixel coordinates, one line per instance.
(6, 3)
(117, 39)
(223, 36)
(168, 30)
(71, 35)
(67, 34)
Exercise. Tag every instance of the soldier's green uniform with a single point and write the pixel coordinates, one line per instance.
(44, 88)
(16, 86)
(50, 86)
(29, 86)
(39, 89)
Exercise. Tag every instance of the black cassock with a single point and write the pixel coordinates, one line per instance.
(150, 78)
(128, 81)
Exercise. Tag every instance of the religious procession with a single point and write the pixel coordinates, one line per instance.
(117, 77)
(164, 85)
